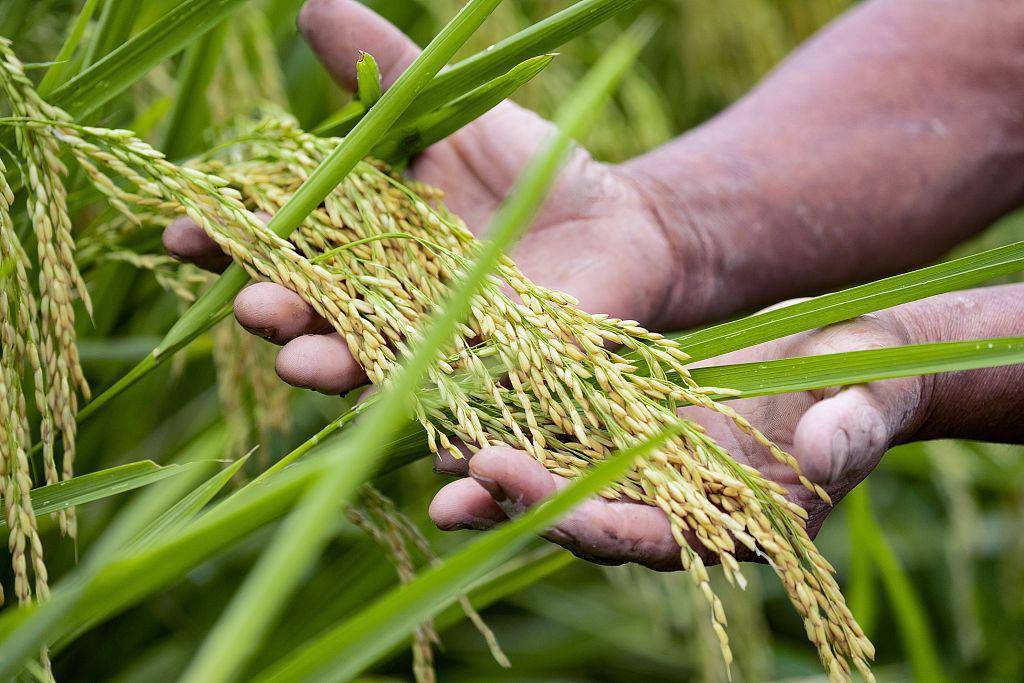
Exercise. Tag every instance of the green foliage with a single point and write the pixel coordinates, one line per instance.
(167, 546)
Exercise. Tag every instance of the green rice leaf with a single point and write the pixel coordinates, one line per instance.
(369, 80)
(62, 62)
(115, 72)
(911, 616)
(187, 508)
(190, 115)
(857, 367)
(849, 303)
(24, 630)
(410, 140)
(115, 26)
(861, 590)
(540, 38)
(94, 486)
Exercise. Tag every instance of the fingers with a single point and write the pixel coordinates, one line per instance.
(337, 30)
(276, 313)
(839, 440)
(464, 504)
(186, 241)
(455, 463)
(510, 481)
(321, 362)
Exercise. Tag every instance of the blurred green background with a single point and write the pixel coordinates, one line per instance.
(931, 557)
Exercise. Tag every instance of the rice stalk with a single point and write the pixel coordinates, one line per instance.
(19, 344)
(378, 522)
(377, 257)
(59, 279)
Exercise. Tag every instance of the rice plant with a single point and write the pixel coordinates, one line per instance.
(464, 349)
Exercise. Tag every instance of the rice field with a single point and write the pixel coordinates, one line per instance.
(177, 512)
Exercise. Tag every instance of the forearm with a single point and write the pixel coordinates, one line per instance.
(891, 136)
(975, 404)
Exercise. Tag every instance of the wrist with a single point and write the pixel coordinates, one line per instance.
(696, 292)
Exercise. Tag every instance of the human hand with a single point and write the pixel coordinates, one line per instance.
(837, 437)
(598, 238)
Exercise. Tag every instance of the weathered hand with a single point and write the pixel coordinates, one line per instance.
(598, 237)
(837, 437)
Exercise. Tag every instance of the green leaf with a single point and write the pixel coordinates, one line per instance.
(861, 592)
(114, 27)
(344, 651)
(115, 72)
(857, 367)
(412, 139)
(849, 303)
(911, 616)
(190, 115)
(187, 508)
(62, 62)
(110, 587)
(94, 486)
(24, 630)
(368, 79)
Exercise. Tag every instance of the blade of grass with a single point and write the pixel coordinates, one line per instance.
(303, 534)
(62, 62)
(95, 486)
(857, 367)
(115, 72)
(27, 628)
(347, 649)
(190, 114)
(97, 592)
(911, 617)
(115, 25)
(849, 303)
(368, 79)
(187, 508)
(410, 140)
(863, 597)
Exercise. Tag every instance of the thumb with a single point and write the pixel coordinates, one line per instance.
(839, 440)
(337, 30)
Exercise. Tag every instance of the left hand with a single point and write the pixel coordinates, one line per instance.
(837, 435)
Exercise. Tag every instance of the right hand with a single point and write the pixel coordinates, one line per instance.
(597, 238)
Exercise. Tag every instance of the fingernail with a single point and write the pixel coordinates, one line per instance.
(840, 454)
(492, 487)
(261, 332)
(481, 524)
